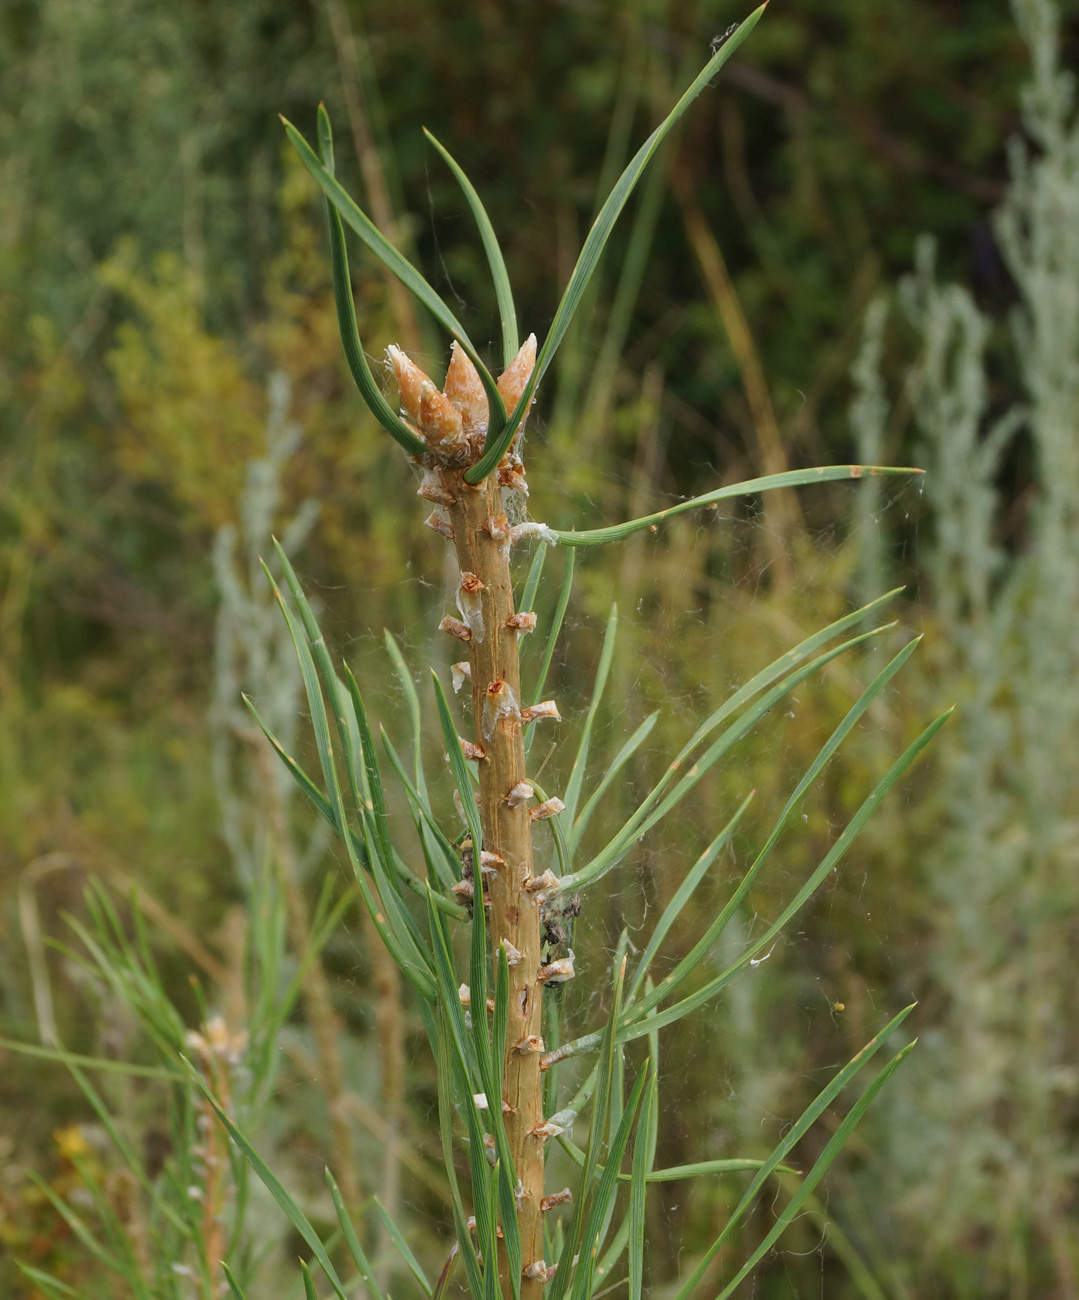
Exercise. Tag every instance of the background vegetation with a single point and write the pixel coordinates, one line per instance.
(171, 388)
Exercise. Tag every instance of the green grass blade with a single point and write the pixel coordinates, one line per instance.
(617, 764)
(555, 824)
(385, 912)
(459, 767)
(693, 959)
(415, 712)
(492, 1287)
(611, 1255)
(778, 668)
(535, 570)
(682, 896)
(444, 1077)
(442, 855)
(576, 777)
(703, 1168)
(499, 440)
(320, 721)
(507, 1202)
(352, 1241)
(404, 676)
(346, 315)
(827, 1156)
(489, 1077)
(403, 1248)
(298, 774)
(127, 1152)
(50, 1285)
(270, 1181)
(445, 865)
(599, 1211)
(446, 1274)
(831, 860)
(449, 1000)
(90, 1062)
(507, 1182)
(81, 1230)
(308, 1282)
(495, 260)
(500, 1020)
(234, 1286)
(597, 1130)
(489, 1068)
(790, 1139)
(477, 981)
(644, 1150)
(376, 809)
(403, 269)
(326, 672)
(769, 483)
(653, 809)
(556, 627)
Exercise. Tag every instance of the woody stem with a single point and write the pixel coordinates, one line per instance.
(481, 541)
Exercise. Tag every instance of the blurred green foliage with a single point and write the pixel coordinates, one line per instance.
(161, 257)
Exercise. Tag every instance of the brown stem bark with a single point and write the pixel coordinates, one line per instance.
(482, 545)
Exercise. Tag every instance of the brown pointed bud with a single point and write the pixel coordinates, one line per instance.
(537, 884)
(441, 423)
(511, 383)
(474, 752)
(470, 604)
(464, 889)
(498, 526)
(456, 628)
(520, 794)
(465, 391)
(526, 1046)
(522, 623)
(545, 709)
(564, 1197)
(410, 382)
(549, 808)
(460, 673)
(557, 972)
(434, 520)
(432, 488)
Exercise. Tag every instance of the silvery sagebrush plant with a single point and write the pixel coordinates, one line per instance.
(503, 882)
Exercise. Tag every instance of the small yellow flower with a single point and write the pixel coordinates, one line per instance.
(71, 1142)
